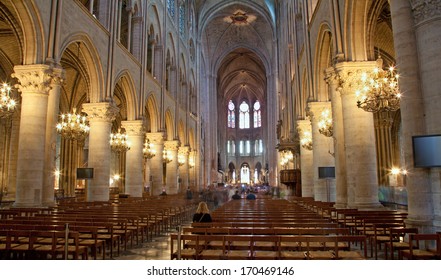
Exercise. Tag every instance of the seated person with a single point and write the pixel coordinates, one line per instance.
(236, 195)
(251, 196)
(202, 214)
(163, 193)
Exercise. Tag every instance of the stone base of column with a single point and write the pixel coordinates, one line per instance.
(340, 205)
(367, 206)
(26, 205)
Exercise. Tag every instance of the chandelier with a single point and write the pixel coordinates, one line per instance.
(167, 157)
(148, 150)
(325, 123)
(379, 91)
(181, 159)
(73, 126)
(118, 142)
(7, 103)
(306, 140)
(191, 162)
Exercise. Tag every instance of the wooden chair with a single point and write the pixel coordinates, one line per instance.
(397, 240)
(419, 251)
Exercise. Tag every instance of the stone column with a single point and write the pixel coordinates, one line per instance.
(323, 188)
(34, 84)
(51, 136)
(100, 117)
(183, 169)
(415, 29)
(306, 163)
(136, 40)
(383, 124)
(134, 157)
(129, 11)
(171, 178)
(359, 137)
(156, 163)
(192, 170)
(341, 191)
(157, 62)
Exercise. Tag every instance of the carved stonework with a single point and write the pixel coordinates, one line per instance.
(184, 150)
(100, 111)
(133, 128)
(33, 78)
(349, 74)
(171, 145)
(424, 10)
(156, 138)
(57, 76)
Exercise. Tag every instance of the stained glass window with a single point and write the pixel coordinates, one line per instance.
(244, 115)
(182, 20)
(257, 114)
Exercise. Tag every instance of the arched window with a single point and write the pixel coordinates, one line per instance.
(231, 147)
(231, 115)
(257, 114)
(182, 19)
(258, 147)
(244, 115)
(171, 8)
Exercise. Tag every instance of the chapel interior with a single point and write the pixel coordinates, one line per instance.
(146, 108)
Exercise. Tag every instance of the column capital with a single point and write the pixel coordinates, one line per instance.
(58, 76)
(35, 78)
(424, 10)
(184, 150)
(133, 128)
(315, 108)
(156, 138)
(171, 145)
(102, 111)
(304, 125)
(349, 74)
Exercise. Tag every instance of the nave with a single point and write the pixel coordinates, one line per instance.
(266, 228)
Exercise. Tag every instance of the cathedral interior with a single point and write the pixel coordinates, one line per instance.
(337, 101)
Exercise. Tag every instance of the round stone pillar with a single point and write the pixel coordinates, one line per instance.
(34, 84)
(156, 167)
(183, 169)
(359, 137)
(324, 188)
(100, 117)
(51, 136)
(306, 162)
(134, 158)
(412, 27)
(171, 178)
(341, 188)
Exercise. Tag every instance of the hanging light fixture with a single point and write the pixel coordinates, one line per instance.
(119, 142)
(378, 90)
(167, 157)
(73, 126)
(7, 103)
(148, 150)
(306, 140)
(181, 159)
(325, 123)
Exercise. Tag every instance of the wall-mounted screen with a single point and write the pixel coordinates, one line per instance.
(326, 172)
(426, 150)
(84, 173)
